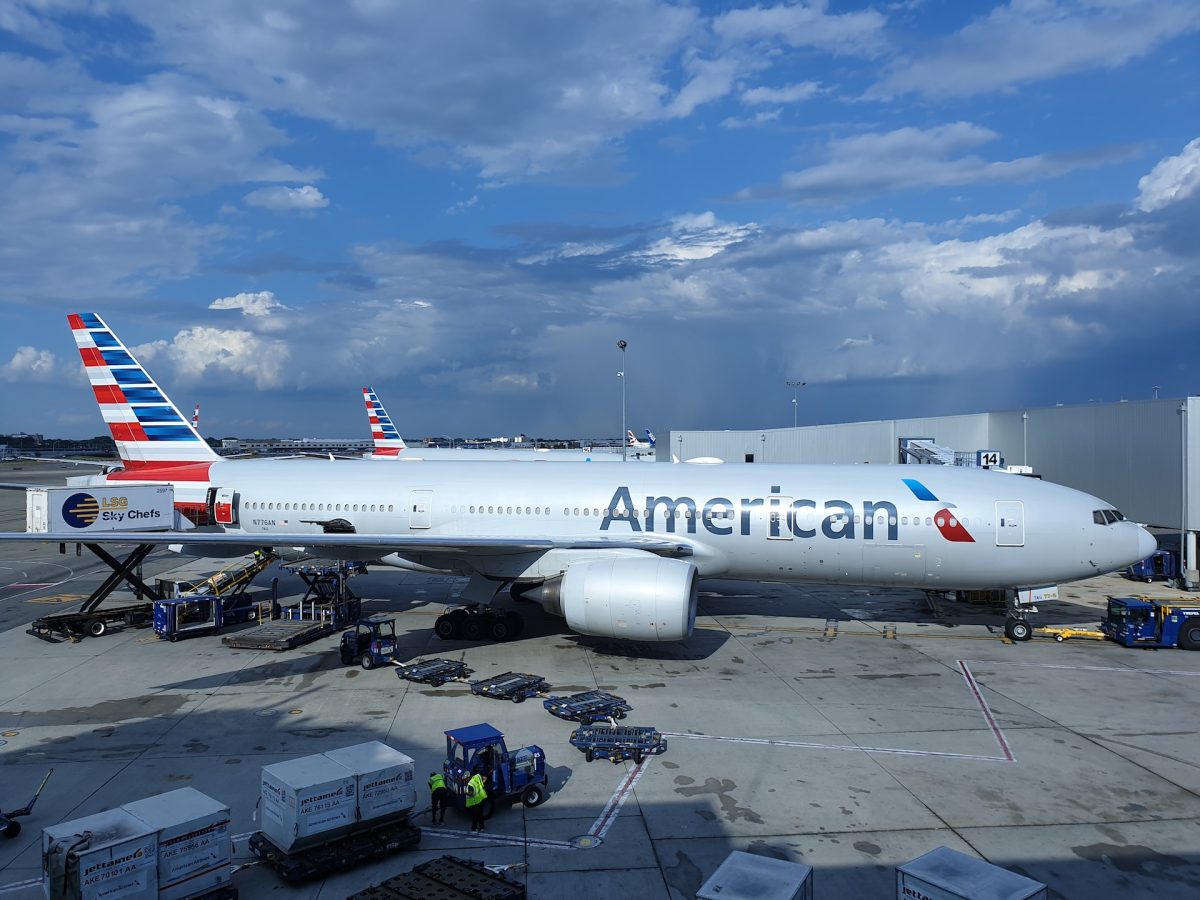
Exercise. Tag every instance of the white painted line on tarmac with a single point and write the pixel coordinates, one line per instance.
(854, 748)
(1123, 669)
(986, 710)
(609, 814)
(511, 839)
(20, 885)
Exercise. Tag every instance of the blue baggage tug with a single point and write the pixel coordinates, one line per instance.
(519, 775)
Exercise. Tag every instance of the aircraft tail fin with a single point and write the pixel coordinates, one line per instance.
(149, 430)
(387, 439)
(650, 437)
(631, 438)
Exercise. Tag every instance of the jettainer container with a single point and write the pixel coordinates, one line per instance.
(945, 874)
(108, 855)
(195, 842)
(748, 876)
(306, 801)
(384, 776)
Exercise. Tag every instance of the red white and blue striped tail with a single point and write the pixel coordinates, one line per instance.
(387, 439)
(148, 428)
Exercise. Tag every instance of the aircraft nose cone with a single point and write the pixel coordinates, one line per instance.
(1147, 543)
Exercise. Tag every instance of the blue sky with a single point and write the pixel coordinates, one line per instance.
(916, 207)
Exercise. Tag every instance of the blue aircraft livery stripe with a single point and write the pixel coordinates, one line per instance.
(921, 492)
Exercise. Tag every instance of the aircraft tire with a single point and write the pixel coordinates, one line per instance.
(1018, 630)
(500, 629)
(1189, 634)
(445, 627)
(473, 628)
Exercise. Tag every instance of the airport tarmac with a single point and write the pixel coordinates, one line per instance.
(850, 729)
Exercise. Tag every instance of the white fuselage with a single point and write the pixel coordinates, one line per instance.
(798, 523)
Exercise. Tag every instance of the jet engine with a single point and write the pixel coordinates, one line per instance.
(635, 599)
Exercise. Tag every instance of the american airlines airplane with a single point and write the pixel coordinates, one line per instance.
(390, 446)
(616, 550)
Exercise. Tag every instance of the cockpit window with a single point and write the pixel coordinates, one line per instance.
(1106, 516)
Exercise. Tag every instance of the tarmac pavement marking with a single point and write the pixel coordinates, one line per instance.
(856, 748)
(609, 814)
(20, 885)
(973, 685)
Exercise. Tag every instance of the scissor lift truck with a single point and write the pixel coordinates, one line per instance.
(514, 686)
(372, 642)
(1152, 622)
(618, 742)
(508, 776)
(434, 672)
(588, 707)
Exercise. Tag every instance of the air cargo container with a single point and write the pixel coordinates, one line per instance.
(306, 801)
(384, 776)
(195, 843)
(86, 510)
(110, 854)
(945, 874)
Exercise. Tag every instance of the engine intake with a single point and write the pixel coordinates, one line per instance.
(648, 599)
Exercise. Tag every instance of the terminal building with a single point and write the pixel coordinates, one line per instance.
(1141, 456)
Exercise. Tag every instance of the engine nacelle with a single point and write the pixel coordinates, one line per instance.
(649, 599)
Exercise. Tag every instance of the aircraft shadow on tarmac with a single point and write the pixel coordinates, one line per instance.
(662, 848)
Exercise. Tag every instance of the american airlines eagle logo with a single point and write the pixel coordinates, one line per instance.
(947, 522)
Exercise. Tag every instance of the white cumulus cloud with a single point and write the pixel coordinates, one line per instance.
(201, 353)
(1172, 180)
(30, 364)
(258, 303)
(279, 198)
(789, 93)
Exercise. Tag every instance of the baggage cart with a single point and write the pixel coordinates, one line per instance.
(446, 876)
(435, 672)
(514, 686)
(588, 707)
(618, 742)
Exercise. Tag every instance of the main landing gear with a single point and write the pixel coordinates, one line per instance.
(476, 623)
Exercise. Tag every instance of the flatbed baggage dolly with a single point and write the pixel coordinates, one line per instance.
(449, 877)
(618, 742)
(588, 707)
(434, 672)
(514, 686)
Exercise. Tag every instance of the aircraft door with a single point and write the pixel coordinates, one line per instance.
(420, 509)
(223, 505)
(1010, 523)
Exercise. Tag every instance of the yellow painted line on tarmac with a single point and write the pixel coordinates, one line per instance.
(56, 598)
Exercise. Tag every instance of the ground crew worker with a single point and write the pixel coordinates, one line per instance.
(476, 794)
(439, 796)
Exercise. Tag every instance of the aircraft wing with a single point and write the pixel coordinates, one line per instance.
(373, 544)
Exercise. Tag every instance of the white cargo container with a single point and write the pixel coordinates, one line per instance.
(195, 843)
(109, 855)
(945, 874)
(384, 776)
(306, 801)
(748, 876)
(83, 510)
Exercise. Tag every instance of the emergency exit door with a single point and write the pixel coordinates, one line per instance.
(420, 509)
(1010, 523)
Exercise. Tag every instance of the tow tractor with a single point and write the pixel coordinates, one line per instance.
(372, 642)
(1152, 622)
(9, 826)
(519, 775)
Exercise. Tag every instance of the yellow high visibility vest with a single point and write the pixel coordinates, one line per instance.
(436, 781)
(476, 793)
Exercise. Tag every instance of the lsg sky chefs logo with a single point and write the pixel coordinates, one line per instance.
(81, 510)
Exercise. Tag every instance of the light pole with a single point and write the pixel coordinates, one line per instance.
(795, 386)
(1155, 389)
(1184, 562)
(1024, 438)
(621, 345)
